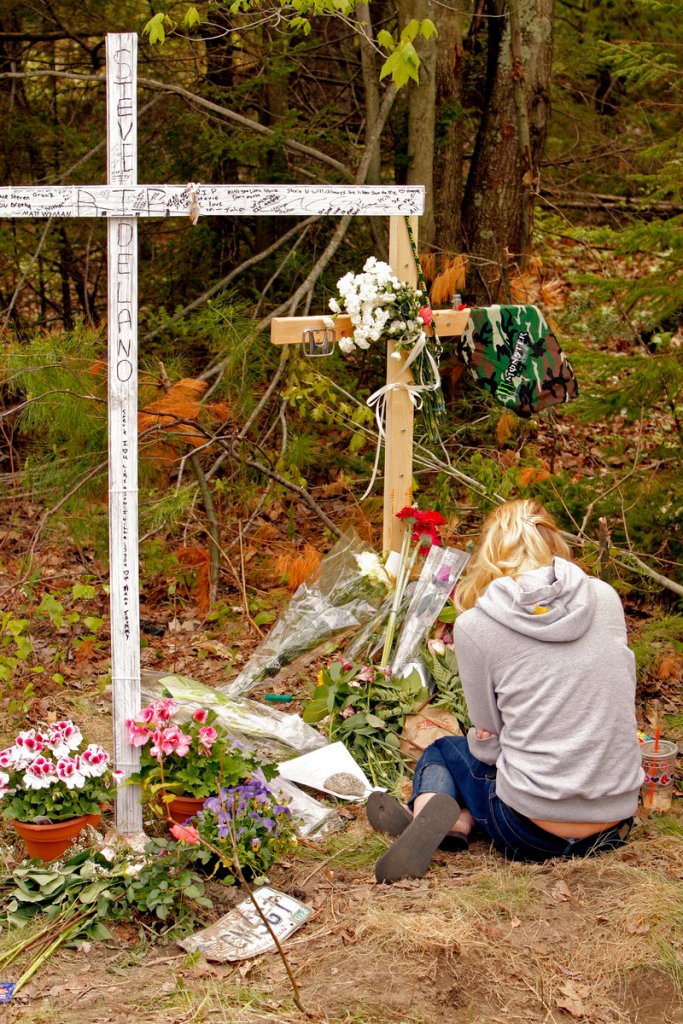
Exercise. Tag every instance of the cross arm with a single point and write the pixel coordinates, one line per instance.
(126, 200)
(288, 330)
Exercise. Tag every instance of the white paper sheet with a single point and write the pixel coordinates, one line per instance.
(315, 768)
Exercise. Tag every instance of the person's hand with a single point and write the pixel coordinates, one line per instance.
(483, 734)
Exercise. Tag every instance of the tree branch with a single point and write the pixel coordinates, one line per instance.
(230, 115)
(235, 272)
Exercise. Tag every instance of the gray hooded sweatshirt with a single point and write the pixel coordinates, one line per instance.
(545, 665)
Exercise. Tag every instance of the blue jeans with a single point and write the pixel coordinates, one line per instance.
(447, 766)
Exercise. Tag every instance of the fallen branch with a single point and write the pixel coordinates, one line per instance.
(646, 570)
(600, 201)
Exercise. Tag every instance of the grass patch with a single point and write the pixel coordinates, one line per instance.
(343, 850)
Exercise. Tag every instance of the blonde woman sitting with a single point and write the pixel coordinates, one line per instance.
(551, 767)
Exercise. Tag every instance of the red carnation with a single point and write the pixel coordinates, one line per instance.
(431, 517)
(409, 513)
(427, 535)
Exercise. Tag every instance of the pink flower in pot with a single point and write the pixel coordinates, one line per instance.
(94, 761)
(207, 737)
(63, 737)
(69, 772)
(40, 774)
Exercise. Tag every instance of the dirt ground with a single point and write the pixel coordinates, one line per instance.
(478, 941)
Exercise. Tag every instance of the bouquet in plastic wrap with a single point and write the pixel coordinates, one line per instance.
(440, 573)
(341, 595)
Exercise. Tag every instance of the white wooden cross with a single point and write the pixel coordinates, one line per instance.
(122, 201)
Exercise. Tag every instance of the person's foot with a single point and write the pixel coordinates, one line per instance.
(411, 854)
(386, 814)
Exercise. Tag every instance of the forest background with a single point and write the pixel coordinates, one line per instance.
(548, 136)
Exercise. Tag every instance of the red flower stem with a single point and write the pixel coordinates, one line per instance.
(404, 571)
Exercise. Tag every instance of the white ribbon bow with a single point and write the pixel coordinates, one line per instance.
(378, 399)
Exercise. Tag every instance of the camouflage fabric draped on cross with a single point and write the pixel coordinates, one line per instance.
(511, 351)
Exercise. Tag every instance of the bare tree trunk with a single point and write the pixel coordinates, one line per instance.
(448, 129)
(220, 78)
(276, 100)
(421, 115)
(372, 107)
(371, 87)
(496, 221)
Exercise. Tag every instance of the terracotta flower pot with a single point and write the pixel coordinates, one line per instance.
(47, 842)
(180, 808)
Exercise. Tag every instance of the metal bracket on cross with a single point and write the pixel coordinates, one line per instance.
(122, 201)
(398, 440)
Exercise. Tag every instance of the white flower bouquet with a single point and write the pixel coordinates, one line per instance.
(383, 308)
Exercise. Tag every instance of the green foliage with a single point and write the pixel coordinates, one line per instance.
(656, 639)
(20, 659)
(403, 62)
(442, 664)
(65, 410)
(162, 885)
(81, 881)
(16, 650)
(167, 886)
(366, 710)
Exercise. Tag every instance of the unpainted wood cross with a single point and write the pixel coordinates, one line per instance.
(122, 201)
(398, 429)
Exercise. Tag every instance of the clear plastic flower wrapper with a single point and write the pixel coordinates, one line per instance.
(341, 595)
(440, 573)
(270, 732)
(366, 644)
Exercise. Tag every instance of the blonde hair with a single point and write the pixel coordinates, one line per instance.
(516, 537)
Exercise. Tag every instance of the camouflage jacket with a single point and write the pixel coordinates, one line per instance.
(511, 351)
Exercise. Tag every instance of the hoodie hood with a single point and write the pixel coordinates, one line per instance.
(554, 603)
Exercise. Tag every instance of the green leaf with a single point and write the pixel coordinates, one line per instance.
(357, 442)
(315, 711)
(191, 17)
(264, 617)
(356, 721)
(385, 40)
(155, 29)
(193, 892)
(50, 607)
(428, 28)
(410, 31)
(402, 65)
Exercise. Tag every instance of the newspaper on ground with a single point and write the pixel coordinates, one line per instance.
(241, 934)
